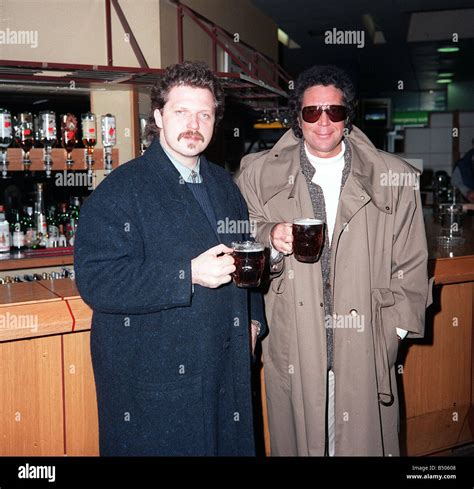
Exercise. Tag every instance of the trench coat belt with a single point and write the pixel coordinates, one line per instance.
(381, 298)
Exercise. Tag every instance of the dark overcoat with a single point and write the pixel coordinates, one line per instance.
(171, 361)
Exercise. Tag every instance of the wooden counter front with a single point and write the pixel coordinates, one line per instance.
(49, 403)
(436, 381)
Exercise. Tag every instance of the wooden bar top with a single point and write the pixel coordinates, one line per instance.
(10, 263)
(24, 293)
(41, 308)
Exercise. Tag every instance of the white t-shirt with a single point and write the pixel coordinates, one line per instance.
(328, 176)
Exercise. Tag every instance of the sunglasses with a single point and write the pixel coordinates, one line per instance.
(312, 113)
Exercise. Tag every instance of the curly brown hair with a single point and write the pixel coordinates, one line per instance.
(194, 74)
(322, 75)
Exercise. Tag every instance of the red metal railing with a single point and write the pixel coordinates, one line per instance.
(252, 63)
(254, 69)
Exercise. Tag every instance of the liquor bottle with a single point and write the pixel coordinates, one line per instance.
(17, 234)
(51, 220)
(6, 138)
(73, 219)
(63, 218)
(89, 132)
(89, 138)
(40, 218)
(28, 227)
(47, 128)
(109, 140)
(53, 229)
(4, 232)
(68, 135)
(24, 136)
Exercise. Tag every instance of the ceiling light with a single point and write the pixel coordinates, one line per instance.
(444, 80)
(58, 74)
(445, 75)
(285, 39)
(448, 49)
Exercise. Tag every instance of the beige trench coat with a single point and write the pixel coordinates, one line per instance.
(379, 282)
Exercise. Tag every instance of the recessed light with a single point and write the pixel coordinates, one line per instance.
(445, 75)
(448, 49)
(58, 74)
(444, 80)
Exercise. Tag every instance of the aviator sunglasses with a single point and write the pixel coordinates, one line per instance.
(312, 113)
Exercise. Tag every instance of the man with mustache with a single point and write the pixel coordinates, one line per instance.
(172, 337)
(329, 357)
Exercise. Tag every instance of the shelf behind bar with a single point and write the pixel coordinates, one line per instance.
(15, 158)
(37, 260)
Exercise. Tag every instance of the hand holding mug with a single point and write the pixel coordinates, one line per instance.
(281, 237)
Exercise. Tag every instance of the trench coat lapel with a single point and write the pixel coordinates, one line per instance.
(284, 169)
(364, 183)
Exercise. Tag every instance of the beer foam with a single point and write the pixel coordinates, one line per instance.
(248, 246)
(307, 221)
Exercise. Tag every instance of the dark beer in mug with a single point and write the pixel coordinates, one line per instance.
(308, 239)
(249, 263)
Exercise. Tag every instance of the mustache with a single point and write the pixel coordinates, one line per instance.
(191, 134)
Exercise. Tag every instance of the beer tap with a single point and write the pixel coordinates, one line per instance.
(47, 129)
(109, 140)
(68, 136)
(89, 138)
(24, 136)
(5, 138)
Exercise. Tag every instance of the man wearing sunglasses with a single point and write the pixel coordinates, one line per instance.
(335, 325)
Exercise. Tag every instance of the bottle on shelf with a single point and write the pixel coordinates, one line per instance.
(63, 222)
(28, 227)
(17, 234)
(40, 218)
(73, 219)
(4, 233)
(6, 138)
(53, 229)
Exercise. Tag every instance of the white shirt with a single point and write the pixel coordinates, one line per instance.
(328, 176)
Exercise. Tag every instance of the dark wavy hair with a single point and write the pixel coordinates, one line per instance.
(321, 75)
(194, 74)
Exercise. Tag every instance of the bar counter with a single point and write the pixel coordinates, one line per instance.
(436, 381)
(49, 404)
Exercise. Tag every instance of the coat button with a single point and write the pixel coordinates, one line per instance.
(321, 304)
(362, 197)
(222, 391)
(226, 344)
(353, 312)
